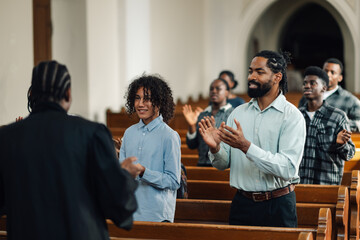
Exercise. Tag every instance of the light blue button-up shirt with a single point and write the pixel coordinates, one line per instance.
(277, 136)
(157, 148)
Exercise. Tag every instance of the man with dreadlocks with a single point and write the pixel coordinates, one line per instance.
(262, 143)
(156, 146)
(59, 175)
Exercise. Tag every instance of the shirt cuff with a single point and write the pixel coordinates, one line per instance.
(211, 156)
(191, 135)
(253, 152)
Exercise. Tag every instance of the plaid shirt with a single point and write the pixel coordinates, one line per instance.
(323, 159)
(345, 101)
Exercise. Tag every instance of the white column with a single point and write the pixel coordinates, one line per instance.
(103, 57)
(137, 38)
(17, 58)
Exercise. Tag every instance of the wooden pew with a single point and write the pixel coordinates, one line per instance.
(213, 174)
(217, 212)
(186, 150)
(355, 136)
(354, 163)
(149, 230)
(189, 159)
(123, 120)
(189, 231)
(152, 230)
(322, 194)
(207, 173)
(354, 206)
(350, 179)
(3, 235)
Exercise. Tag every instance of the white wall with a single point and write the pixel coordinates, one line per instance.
(106, 43)
(69, 47)
(177, 53)
(16, 61)
(103, 57)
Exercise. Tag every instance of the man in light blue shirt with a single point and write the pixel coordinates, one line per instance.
(156, 146)
(262, 143)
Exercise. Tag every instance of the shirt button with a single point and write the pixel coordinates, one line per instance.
(143, 134)
(139, 148)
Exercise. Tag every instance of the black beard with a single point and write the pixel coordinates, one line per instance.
(260, 91)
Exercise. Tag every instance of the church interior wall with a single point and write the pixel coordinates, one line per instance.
(188, 42)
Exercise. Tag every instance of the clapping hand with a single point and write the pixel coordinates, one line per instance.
(191, 116)
(343, 137)
(133, 169)
(117, 143)
(18, 119)
(210, 133)
(234, 137)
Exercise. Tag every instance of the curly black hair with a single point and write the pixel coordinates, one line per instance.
(160, 95)
(277, 62)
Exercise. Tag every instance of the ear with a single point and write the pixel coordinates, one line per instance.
(324, 88)
(278, 77)
(157, 109)
(340, 78)
(68, 95)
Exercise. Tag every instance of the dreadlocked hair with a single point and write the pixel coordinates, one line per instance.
(159, 92)
(277, 62)
(49, 83)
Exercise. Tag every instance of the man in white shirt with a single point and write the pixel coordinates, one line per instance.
(262, 143)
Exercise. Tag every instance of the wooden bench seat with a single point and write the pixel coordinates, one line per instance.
(305, 193)
(189, 231)
(154, 230)
(207, 173)
(189, 159)
(217, 212)
(354, 163)
(350, 179)
(186, 150)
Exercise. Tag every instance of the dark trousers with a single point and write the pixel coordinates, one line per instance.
(276, 212)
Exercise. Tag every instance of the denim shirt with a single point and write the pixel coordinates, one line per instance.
(157, 148)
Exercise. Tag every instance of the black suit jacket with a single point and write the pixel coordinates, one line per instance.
(60, 178)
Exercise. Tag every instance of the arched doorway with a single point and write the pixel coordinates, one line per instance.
(312, 35)
(267, 25)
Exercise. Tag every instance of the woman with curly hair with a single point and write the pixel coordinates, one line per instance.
(156, 146)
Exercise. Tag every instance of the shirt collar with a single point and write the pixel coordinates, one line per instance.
(328, 93)
(323, 107)
(224, 108)
(321, 110)
(278, 103)
(152, 124)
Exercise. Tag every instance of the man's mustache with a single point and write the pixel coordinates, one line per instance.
(254, 82)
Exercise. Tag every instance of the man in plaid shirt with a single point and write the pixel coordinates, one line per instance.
(338, 97)
(328, 137)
